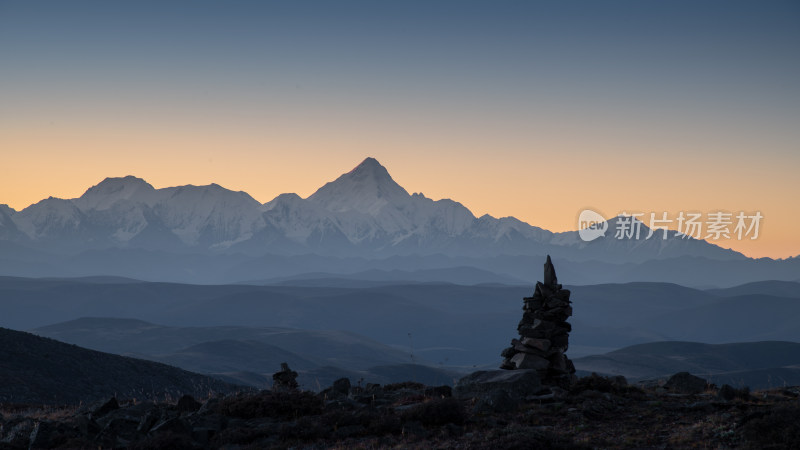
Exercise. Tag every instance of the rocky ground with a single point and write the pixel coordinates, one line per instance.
(596, 413)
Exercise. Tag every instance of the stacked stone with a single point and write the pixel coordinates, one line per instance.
(544, 333)
(285, 379)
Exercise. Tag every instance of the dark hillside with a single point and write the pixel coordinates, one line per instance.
(34, 369)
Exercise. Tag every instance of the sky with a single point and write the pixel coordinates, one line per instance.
(531, 109)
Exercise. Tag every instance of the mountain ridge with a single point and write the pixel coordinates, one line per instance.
(363, 213)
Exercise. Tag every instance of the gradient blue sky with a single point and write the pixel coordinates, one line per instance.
(615, 105)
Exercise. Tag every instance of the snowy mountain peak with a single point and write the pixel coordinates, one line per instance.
(370, 174)
(113, 184)
(366, 189)
(46, 216)
(370, 165)
(362, 212)
(111, 190)
(283, 199)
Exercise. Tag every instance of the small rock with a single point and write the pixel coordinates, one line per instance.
(529, 361)
(619, 381)
(539, 344)
(111, 405)
(339, 390)
(726, 393)
(187, 403)
(118, 430)
(342, 386)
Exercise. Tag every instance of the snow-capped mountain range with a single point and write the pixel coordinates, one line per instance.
(363, 213)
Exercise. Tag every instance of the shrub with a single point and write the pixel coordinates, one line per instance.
(165, 440)
(777, 428)
(404, 385)
(595, 382)
(436, 412)
(386, 423)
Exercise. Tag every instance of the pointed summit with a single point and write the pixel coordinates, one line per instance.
(369, 165)
(370, 168)
(366, 189)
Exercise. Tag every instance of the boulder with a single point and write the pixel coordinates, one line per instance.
(118, 431)
(685, 383)
(342, 386)
(518, 383)
(16, 435)
(339, 390)
(187, 403)
(111, 405)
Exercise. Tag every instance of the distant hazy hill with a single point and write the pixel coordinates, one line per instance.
(444, 323)
(376, 277)
(754, 364)
(34, 369)
(249, 355)
(230, 355)
(789, 289)
(360, 222)
(226, 348)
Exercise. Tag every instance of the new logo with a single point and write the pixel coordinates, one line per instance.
(591, 225)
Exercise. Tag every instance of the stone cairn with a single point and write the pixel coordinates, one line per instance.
(285, 379)
(544, 333)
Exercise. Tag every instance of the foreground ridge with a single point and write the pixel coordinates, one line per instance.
(597, 412)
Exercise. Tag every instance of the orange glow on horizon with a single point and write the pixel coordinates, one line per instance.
(539, 187)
